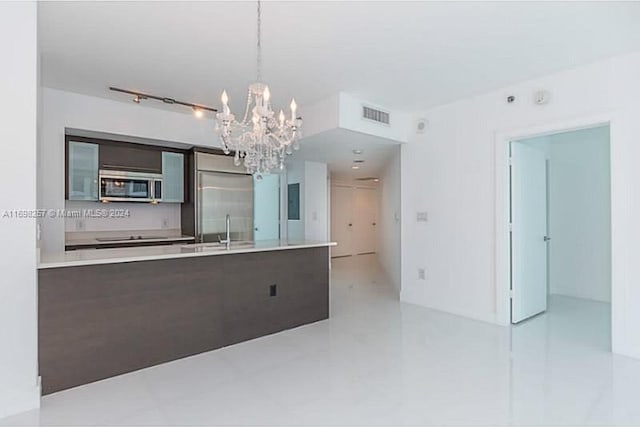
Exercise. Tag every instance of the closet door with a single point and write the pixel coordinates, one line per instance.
(365, 220)
(341, 220)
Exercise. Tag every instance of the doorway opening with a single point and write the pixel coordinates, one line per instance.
(560, 227)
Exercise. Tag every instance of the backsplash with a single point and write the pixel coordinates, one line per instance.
(139, 216)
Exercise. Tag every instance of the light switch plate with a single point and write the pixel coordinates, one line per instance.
(422, 274)
(422, 217)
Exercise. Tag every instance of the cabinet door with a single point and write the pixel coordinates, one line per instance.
(122, 156)
(83, 171)
(172, 177)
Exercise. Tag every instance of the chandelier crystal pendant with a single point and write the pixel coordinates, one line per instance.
(261, 139)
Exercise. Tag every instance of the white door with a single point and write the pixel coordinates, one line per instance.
(529, 229)
(266, 207)
(365, 220)
(341, 220)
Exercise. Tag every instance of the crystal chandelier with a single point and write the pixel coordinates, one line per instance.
(260, 139)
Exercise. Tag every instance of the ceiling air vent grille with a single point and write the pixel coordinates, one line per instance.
(374, 115)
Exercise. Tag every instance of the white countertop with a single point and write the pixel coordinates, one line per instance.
(150, 253)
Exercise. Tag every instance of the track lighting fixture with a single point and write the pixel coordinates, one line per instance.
(198, 110)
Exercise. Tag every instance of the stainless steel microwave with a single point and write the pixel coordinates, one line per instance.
(123, 186)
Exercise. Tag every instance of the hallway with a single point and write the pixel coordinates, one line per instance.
(378, 362)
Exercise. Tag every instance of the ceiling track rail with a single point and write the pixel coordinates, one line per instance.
(138, 96)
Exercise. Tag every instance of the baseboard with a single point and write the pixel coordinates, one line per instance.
(19, 399)
(472, 316)
(560, 292)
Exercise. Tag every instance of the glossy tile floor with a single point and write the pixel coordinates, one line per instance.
(379, 362)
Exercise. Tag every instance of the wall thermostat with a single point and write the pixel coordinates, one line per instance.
(541, 97)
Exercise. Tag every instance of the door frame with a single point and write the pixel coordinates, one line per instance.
(502, 272)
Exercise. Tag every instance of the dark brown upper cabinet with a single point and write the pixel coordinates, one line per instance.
(124, 158)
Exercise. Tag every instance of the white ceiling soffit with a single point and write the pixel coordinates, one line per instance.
(407, 56)
(335, 148)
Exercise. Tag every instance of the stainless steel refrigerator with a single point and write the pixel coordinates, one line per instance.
(222, 189)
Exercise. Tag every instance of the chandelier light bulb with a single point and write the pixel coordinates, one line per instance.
(281, 117)
(198, 112)
(293, 106)
(266, 95)
(225, 102)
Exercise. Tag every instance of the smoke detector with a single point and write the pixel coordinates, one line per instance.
(421, 125)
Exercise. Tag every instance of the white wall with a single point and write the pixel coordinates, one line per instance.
(316, 210)
(343, 110)
(142, 216)
(321, 116)
(389, 214)
(19, 390)
(65, 109)
(314, 205)
(450, 172)
(579, 214)
(351, 118)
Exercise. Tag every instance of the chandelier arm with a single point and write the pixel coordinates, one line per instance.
(247, 108)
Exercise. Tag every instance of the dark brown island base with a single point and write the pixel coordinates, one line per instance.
(104, 319)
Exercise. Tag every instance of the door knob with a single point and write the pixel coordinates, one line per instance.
(350, 225)
(547, 238)
(374, 224)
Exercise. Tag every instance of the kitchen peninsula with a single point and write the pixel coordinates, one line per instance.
(110, 311)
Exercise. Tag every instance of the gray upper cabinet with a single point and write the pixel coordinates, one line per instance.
(172, 177)
(83, 171)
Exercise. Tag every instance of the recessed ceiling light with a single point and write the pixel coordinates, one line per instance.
(358, 152)
(355, 167)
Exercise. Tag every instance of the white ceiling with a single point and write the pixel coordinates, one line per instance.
(401, 55)
(335, 147)
(405, 56)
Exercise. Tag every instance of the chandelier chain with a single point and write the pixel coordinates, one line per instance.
(259, 53)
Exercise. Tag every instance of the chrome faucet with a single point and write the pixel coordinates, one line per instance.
(227, 241)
